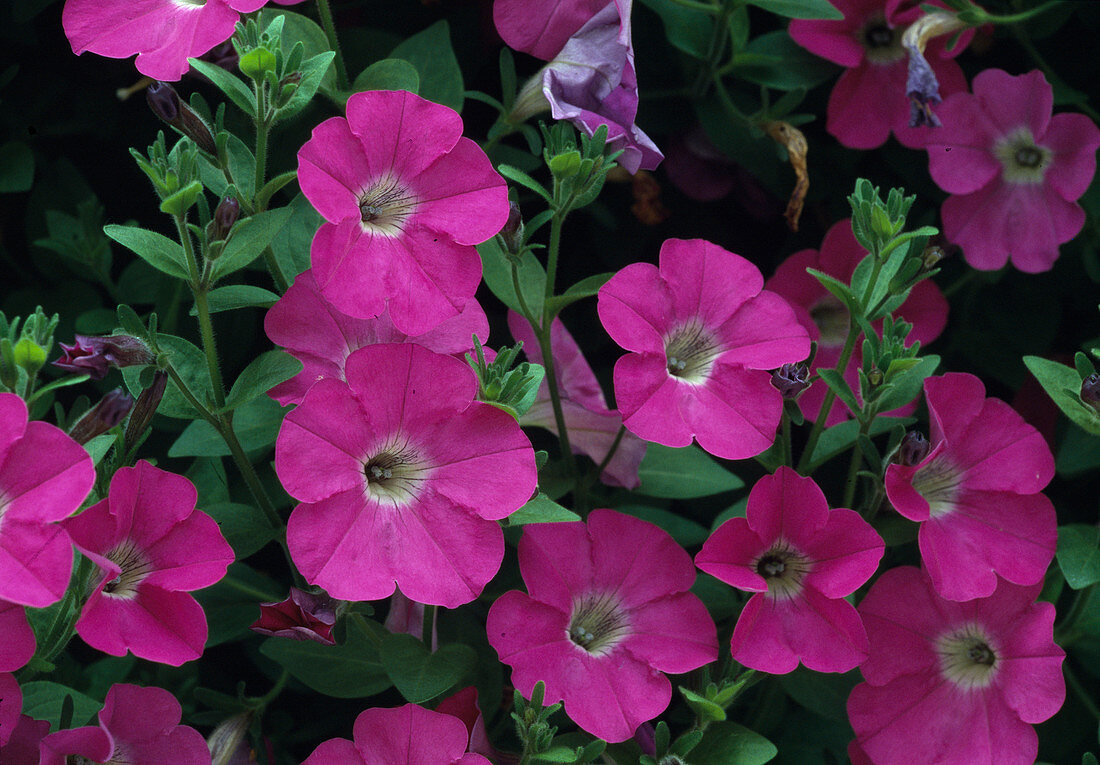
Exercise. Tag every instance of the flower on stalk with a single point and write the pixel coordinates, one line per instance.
(408, 735)
(302, 616)
(401, 477)
(1013, 171)
(407, 617)
(405, 197)
(322, 337)
(152, 547)
(976, 493)
(17, 647)
(163, 33)
(870, 98)
(591, 425)
(960, 683)
(95, 355)
(801, 559)
(827, 320)
(609, 611)
(110, 411)
(44, 476)
(21, 746)
(703, 335)
(138, 725)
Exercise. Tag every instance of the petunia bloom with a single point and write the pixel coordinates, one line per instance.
(827, 319)
(139, 725)
(17, 647)
(11, 702)
(408, 735)
(608, 611)
(322, 337)
(592, 427)
(21, 745)
(463, 705)
(152, 547)
(402, 476)
(703, 334)
(405, 197)
(1013, 171)
(302, 616)
(869, 100)
(163, 33)
(960, 683)
(976, 492)
(801, 559)
(44, 476)
(95, 355)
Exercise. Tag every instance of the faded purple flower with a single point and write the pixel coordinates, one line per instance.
(302, 616)
(110, 411)
(93, 356)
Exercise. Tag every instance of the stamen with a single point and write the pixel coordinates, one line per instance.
(598, 623)
(395, 473)
(691, 352)
(938, 482)
(967, 657)
(1024, 161)
(385, 206)
(784, 569)
(135, 567)
(881, 44)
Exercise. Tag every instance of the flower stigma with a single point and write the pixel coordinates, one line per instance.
(691, 352)
(1024, 161)
(386, 206)
(784, 570)
(966, 657)
(597, 623)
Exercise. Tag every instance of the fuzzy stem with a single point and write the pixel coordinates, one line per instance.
(325, 12)
(827, 404)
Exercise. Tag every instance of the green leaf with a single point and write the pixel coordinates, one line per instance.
(16, 167)
(1078, 453)
(776, 61)
(497, 272)
(840, 437)
(799, 9)
(388, 74)
(704, 708)
(299, 28)
(683, 473)
(256, 424)
(586, 287)
(190, 363)
(687, 29)
(836, 382)
(180, 202)
(155, 249)
(98, 447)
(431, 53)
(907, 386)
(1064, 386)
(349, 671)
(418, 673)
(839, 289)
(523, 179)
(248, 240)
(291, 247)
(820, 692)
(687, 533)
(541, 509)
(232, 86)
(1079, 554)
(265, 372)
(244, 527)
(233, 604)
(727, 743)
(313, 71)
(42, 700)
(236, 296)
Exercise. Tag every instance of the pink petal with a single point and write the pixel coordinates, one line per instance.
(461, 195)
(136, 491)
(44, 489)
(11, 702)
(1030, 667)
(1001, 452)
(903, 617)
(350, 266)
(832, 39)
(333, 171)
(735, 414)
(556, 562)
(35, 562)
(650, 400)
(94, 743)
(17, 648)
(952, 80)
(764, 334)
(400, 132)
(1073, 138)
(192, 556)
(335, 750)
(863, 105)
(674, 634)
(409, 734)
(636, 309)
(707, 281)
(162, 626)
(729, 555)
(23, 745)
(429, 280)
(846, 553)
(541, 27)
(786, 506)
(627, 552)
(1010, 102)
(960, 152)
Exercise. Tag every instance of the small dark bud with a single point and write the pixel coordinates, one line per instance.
(512, 233)
(932, 256)
(164, 101)
(875, 377)
(93, 356)
(913, 449)
(646, 738)
(166, 104)
(229, 209)
(146, 407)
(791, 379)
(294, 78)
(110, 411)
(1090, 390)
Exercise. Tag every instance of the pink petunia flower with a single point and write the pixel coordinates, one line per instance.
(542, 27)
(138, 725)
(17, 647)
(408, 735)
(163, 33)
(405, 198)
(1013, 171)
(402, 477)
(322, 337)
(702, 332)
(152, 546)
(463, 705)
(11, 703)
(960, 683)
(869, 100)
(302, 616)
(407, 616)
(976, 492)
(802, 559)
(827, 320)
(23, 740)
(592, 426)
(44, 476)
(608, 612)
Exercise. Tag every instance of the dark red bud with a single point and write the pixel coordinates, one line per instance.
(166, 104)
(110, 411)
(1090, 390)
(229, 209)
(146, 407)
(913, 449)
(791, 379)
(95, 355)
(164, 101)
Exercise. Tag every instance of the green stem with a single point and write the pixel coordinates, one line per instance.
(556, 224)
(428, 625)
(853, 471)
(325, 12)
(785, 434)
(276, 271)
(206, 329)
(959, 283)
(263, 127)
(827, 404)
(262, 702)
(543, 334)
(1016, 18)
(697, 6)
(719, 37)
(523, 307)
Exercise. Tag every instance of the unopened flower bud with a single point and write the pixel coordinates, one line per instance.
(226, 214)
(164, 101)
(146, 407)
(791, 379)
(95, 355)
(645, 738)
(875, 377)
(512, 233)
(110, 411)
(166, 104)
(302, 616)
(932, 256)
(913, 449)
(1090, 390)
(228, 742)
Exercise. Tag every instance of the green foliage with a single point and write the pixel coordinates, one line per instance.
(727, 743)
(541, 509)
(684, 473)
(1063, 384)
(419, 674)
(1079, 554)
(155, 249)
(430, 52)
(513, 390)
(350, 670)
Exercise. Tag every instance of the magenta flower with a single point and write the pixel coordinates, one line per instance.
(24, 737)
(976, 492)
(138, 725)
(163, 33)
(153, 546)
(405, 198)
(322, 337)
(869, 100)
(463, 705)
(302, 616)
(802, 559)
(407, 616)
(1013, 170)
(592, 426)
(11, 703)
(960, 683)
(402, 477)
(94, 356)
(703, 332)
(44, 476)
(408, 735)
(608, 612)
(17, 647)
(826, 318)
(542, 27)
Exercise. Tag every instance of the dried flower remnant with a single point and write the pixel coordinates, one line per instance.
(921, 87)
(301, 616)
(792, 139)
(95, 355)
